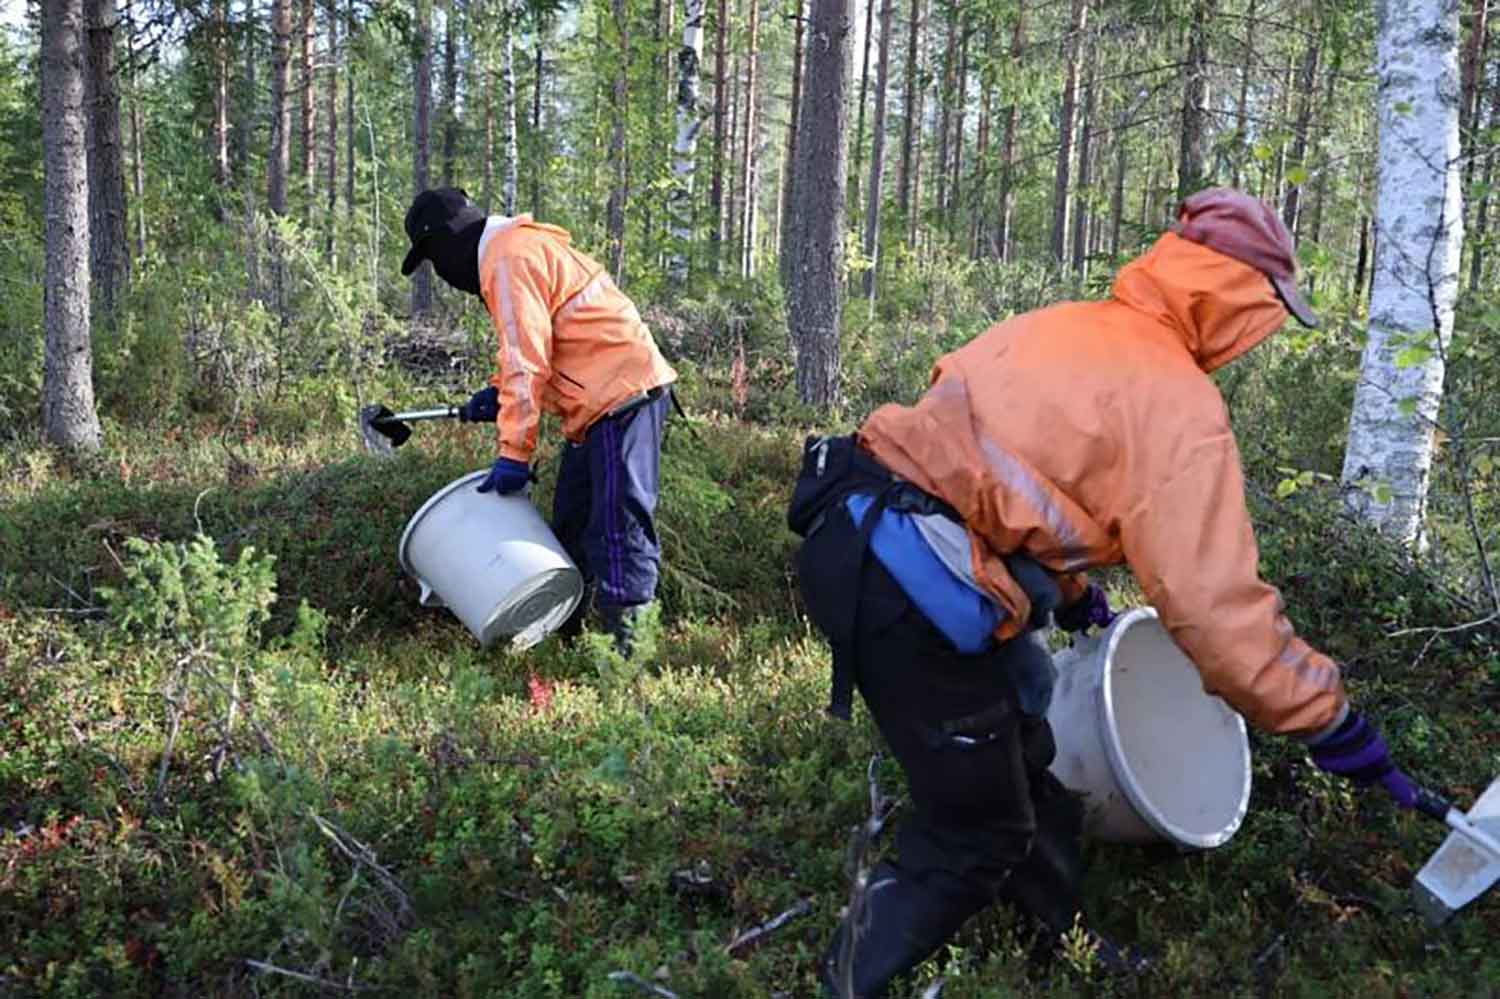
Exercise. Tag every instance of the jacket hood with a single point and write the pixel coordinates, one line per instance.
(1218, 306)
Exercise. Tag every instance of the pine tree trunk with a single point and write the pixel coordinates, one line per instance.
(911, 112)
(721, 106)
(137, 159)
(789, 185)
(945, 99)
(536, 117)
(1192, 158)
(817, 287)
(864, 95)
(1003, 236)
(979, 189)
(1085, 176)
(68, 417)
(1117, 206)
(279, 160)
(749, 147)
(242, 137)
(1418, 247)
(450, 89)
(109, 244)
(331, 131)
(685, 148)
(349, 110)
(1472, 83)
(1482, 210)
(1307, 81)
(510, 153)
(955, 186)
(1061, 185)
(306, 47)
(620, 107)
(421, 278)
(877, 153)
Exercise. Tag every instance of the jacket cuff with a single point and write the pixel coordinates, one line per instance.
(515, 454)
(1314, 738)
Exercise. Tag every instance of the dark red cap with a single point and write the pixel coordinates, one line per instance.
(1245, 228)
(434, 212)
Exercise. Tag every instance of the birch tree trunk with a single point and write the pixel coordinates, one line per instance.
(279, 158)
(1003, 236)
(510, 155)
(109, 243)
(749, 150)
(536, 111)
(816, 296)
(1419, 241)
(1085, 175)
(450, 88)
(721, 106)
(68, 417)
(1242, 104)
(421, 279)
(221, 99)
(877, 154)
(306, 49)
(685, 149)
(1061, 178)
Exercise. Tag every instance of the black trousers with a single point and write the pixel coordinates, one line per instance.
(988, 820)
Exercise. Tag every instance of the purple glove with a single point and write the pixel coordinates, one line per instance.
(1090, 609)
(506, 476)
(483, 406)
(1356, 751)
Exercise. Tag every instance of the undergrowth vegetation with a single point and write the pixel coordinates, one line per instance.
(237, 758)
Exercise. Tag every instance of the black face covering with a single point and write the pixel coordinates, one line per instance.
(455, 256)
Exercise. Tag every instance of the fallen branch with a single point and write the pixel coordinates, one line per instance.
(271, 969)
(750, 936)
(650, 988)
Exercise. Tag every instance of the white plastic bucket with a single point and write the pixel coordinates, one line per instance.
(493, 561)
(1153, 754)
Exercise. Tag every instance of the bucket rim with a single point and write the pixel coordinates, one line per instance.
(1125, 774)
(425, 509)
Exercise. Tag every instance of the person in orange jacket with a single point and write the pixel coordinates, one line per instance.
(572, 344)
(1080, 435)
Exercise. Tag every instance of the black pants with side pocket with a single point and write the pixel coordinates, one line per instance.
(988, 821)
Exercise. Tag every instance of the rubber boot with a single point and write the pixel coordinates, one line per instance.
(905, 922)
(623, 625)
(573, 626)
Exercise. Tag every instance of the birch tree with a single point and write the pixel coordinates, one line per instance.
(685, 149)
(68, 417)
(1419, 238)
(816, 292)
(877, 153)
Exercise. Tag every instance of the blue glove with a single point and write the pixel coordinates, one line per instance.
(1090, 609)
(1356, 751)
(506, 476)
(483, 406)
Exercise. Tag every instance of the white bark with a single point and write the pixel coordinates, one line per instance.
(684, 150)
(1420, 238)
(68, 417)
(509, 155)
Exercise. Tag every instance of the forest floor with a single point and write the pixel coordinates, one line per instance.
(254, 766)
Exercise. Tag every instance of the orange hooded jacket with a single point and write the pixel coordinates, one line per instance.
(1089, 433)
(571, 343)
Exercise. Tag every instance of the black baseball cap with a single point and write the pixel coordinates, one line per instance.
(438, 211)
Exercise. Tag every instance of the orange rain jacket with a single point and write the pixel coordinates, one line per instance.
(571, 343)
(1089, 433)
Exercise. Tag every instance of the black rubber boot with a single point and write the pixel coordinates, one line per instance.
(1048, 884)
(623, 625)
(573, 626)
(905, 922)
